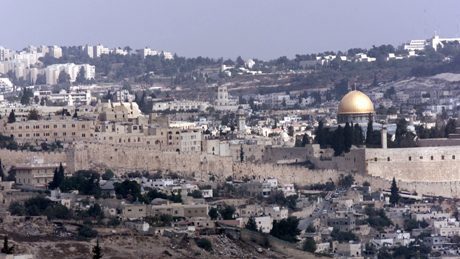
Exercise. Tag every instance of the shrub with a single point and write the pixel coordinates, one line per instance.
(204, 243)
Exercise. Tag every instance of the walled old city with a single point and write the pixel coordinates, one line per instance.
(122, 153)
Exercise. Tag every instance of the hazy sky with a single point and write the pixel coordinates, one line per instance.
(250, 28)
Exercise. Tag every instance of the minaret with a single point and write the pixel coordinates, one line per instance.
(383, 133)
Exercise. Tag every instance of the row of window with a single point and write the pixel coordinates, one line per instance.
(83, 126)
(48, 134)
(421, 158)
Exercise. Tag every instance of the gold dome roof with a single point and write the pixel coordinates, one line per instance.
(356, 102)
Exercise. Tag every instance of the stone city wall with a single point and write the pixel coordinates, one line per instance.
(13, 157)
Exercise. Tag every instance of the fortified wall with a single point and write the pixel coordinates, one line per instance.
(429, 171)
(427, 164)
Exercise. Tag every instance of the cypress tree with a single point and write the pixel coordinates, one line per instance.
(348, 137)
(319, 134)
(251, 225)
(338, 143)
(358, 137)
(11, 117)
(369, 134)
(97, 251)
(58, 177)
(394, 196)
(2, 174)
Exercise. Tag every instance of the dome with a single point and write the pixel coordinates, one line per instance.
(355, 102)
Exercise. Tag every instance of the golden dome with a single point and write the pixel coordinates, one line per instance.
(356, 102)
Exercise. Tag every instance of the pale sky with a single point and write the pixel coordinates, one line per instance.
(251, 28)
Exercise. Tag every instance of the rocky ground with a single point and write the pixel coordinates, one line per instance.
(48, 240)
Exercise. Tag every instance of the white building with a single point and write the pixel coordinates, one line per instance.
(437, 42)
(183, 105)
(415, 45)
(78, 97)
(5, 85)
(55, 51)
(145, 52)
(52, 72)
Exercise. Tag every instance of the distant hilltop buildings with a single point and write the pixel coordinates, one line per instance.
(435, 42)
(27, 65)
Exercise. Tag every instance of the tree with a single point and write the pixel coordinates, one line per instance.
(33, 115)
(75, 114)
(213, 213)
(6, 249)
(291, 131)
(338, 142)
(204, 243)
(130, 190)
(346, 181)
(81, 78)
(251, 224)
(310, 228)
(309, 245)
(11, 117)
(227, 212)
(394, 196)
(196, 194)
(107, 175)
(286, 229)
(2, 173)
(369, 134)
(58, 178)
(241, 154)
(348, 137)
(95, 211)
(358, 137)
(63, 78)
(97, 251)
(86, 231)
(26, 95)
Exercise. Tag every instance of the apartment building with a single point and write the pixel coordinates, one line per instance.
(49, 130)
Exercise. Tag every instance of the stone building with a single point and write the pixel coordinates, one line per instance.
(49, 130)
(37, 173)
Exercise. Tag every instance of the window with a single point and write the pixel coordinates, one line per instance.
(375, 159)
(442, 157)
(453, 157)
(410, 158)
(432, 157)
(388, 159)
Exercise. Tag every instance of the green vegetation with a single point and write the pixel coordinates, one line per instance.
(7, 249)
(286, 229)
(204, 243)
(87, 231)
(160, 221)
(251, 224)
(213, 213)
(85, 181)
(227, 212)
(129, 190)
(343, 236)
(40, 206)
(107, 175)
(410, 224)
(346, 181)
(58, 178)
(377, 218)
(97, 251)
(394, 196)
(309, 245)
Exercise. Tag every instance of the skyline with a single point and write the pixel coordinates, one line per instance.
(256, 29)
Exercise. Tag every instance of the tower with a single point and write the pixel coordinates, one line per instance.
(222, 96)
(383, 133)
(241, 119)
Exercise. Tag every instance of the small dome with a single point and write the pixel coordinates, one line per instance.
(356, 102)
